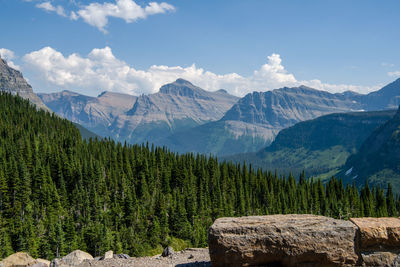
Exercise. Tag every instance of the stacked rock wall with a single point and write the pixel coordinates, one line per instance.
(304, 240)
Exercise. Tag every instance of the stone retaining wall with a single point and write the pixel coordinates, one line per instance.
(304, 240)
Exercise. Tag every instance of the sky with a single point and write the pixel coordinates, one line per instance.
(136, 46)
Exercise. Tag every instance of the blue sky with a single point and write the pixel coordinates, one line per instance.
(241, 46)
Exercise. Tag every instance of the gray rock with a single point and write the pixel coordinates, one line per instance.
(109, 255)
(168, 251)
(121, 256)
(289, 240)
(71, 260)
(18, 259)
(12, 81)
(41, 263)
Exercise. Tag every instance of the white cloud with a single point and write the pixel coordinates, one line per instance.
(97, 14)
(73, 16)
(102, 71)
(394, 73)
(8, 55)
(50, 8)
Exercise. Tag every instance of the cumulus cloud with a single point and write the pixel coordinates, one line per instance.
(100, 71)
(50, 8)
(8, 56)
(394, 73)
(97, 14)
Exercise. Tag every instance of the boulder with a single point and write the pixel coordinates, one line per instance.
(378, 232)
(288, 240)
(168, 251)
(109, 255)
(41, 263)
(73, 259)
(19, 259)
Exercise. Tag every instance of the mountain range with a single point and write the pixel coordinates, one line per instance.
(147, 118)
(186, 118)
(358, 146)
(220, 123)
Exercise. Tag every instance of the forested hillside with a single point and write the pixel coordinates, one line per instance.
(59, 192)
(320, 146)
(378, 160)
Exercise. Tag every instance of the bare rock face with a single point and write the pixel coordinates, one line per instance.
(75, 258)
(17, 260)
(378, 232)
(12, 81)
(288, 240)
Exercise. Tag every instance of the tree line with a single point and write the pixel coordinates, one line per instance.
(59, 192)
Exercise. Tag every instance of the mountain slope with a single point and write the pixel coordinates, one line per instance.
(255, 120)
(12, 81)
(286, 106)
(85, 133)
(378, 160)
(176, 107)
(386, 98)
(221, 123)
(94, 113)
(220, 138)
(319, 146)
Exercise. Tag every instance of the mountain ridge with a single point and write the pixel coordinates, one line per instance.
(247, 124)
(177, 106)
(12, 81)
(319, 146)
(377, 161)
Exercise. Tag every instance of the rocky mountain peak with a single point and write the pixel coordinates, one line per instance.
(182, 87)
(12, 81)
(183, 82)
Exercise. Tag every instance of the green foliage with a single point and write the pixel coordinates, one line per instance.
(59, 192)
(320, 146)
